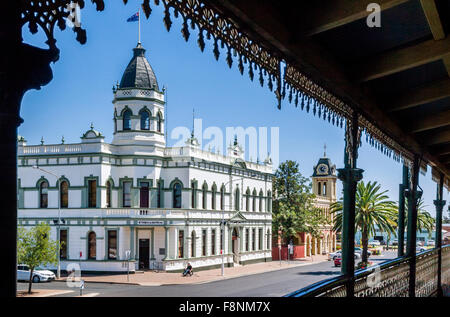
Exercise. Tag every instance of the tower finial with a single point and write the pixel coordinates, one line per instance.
(92, 126)
(193, 116)
(325, 150)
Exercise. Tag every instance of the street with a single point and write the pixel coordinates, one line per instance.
(270, 284)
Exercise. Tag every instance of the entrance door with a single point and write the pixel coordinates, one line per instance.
(144, 253)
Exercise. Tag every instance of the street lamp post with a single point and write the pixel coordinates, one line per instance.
(223, 225)
(58, 271)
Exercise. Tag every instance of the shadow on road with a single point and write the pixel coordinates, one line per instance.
(320, 273)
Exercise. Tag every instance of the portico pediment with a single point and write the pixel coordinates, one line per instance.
(237, 218)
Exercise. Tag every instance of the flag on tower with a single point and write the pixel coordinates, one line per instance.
(134, 17)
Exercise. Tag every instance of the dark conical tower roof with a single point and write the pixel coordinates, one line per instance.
(139, 73)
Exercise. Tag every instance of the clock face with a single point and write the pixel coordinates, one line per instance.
(322, 169)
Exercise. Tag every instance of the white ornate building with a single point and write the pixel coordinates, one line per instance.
(164, 205)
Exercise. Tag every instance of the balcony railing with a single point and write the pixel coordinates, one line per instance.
(389, 279)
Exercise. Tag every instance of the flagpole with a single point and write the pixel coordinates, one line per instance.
(139, 19)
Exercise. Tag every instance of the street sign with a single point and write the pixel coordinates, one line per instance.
(150, 223)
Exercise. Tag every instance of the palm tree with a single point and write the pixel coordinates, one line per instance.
(373, 211)
(425, 222)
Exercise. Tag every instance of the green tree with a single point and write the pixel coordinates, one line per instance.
(293, 205)
(373, 211)
(35, 248)
(425, 222)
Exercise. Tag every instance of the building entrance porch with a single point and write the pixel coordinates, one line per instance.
(144, 254)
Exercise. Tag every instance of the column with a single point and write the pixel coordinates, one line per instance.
(350, 175)
(187, 245)
(439, 203)
(166, 242)
(153, 244)
(241, 239)
(401, 212)
(230, 240)
(413, 196)
(136, 239)
(132, 243)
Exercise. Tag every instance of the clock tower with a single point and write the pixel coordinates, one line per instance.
(324, 179)
(324, 187)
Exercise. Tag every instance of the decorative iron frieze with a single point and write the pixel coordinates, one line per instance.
(240, 47)
(391, 281)
(445, 279)
(426, 274)
(50, 13)
(224, 33)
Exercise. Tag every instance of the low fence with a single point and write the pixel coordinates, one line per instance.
(299, 252)
(389, 279)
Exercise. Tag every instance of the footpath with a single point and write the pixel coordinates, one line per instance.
(155, 278)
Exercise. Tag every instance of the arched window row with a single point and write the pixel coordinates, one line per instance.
(215, 199)
(145, 118)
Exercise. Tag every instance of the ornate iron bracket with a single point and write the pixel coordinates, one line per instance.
(350, 174)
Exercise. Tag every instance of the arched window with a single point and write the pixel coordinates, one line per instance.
(108, 194)
(261, 201)
(115, 125)
(193, 244)
(145, 119)
(204, 196)
(324, 191)
(254, 200)
(127, 120)
(319, 188)
(269, 201)
(222, 198)
(43, 194)
(158, 122)
(177, 195)
(159, 193)
(92, 245)
(247, 200)
(192, 195)
(64, 194)
(236, 200)
(268, 246)
(213, 197)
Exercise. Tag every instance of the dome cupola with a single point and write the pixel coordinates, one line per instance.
(139, 73)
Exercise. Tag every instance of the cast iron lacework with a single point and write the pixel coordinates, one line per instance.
(426, 274)
(298, 88)
(227, 35)
(249, 53)
(48, 13)
(446, 271)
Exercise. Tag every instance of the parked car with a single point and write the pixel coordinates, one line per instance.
(394, 242)
(359, 250)
(337, 261)
(431, 243)
(338, 254)
(39, 274)
(375, 243)
(420, 249)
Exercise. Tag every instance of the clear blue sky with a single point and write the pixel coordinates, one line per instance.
(80, 93)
